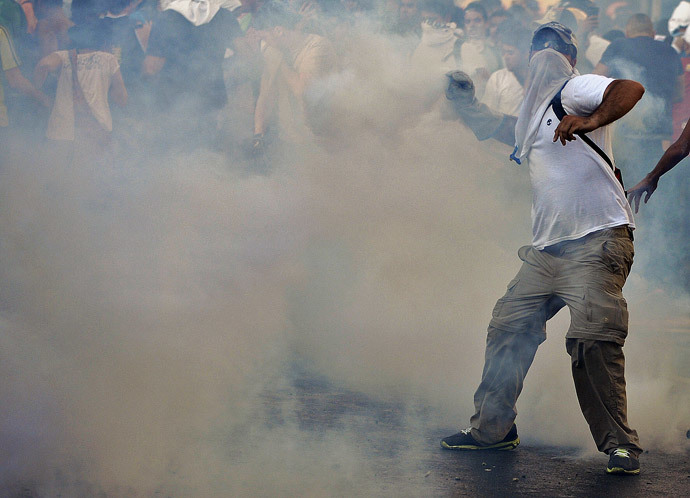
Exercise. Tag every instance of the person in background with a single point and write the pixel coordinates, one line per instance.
(294, 61)
(655, 64)
(676, 253)
(640, 137)
(13, 23)
(505, 89)
(439, 37)
(81, 112)
(678, 28)
(496, 18)
(476, 56)
(52, 27)
(184, 68)
(408, 19)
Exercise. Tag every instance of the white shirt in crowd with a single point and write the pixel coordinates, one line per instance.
(94, 73)
(503, 92)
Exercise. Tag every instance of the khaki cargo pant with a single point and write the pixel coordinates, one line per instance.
(587, 275)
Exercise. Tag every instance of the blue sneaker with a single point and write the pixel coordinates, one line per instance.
(463, 440)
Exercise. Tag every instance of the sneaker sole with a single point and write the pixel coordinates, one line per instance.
(620, 471)
(503, 445)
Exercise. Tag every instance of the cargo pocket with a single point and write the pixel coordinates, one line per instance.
(499, 304)
(607, 313)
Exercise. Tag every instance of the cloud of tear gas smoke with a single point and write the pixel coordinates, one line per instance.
(153, 313)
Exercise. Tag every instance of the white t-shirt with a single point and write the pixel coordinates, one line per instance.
(575, 192)
(503, 92)
(94, 72)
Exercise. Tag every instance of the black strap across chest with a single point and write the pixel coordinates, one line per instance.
(559, 111)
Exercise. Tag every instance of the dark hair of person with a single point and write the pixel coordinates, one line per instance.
(94, 35)
(613, 34)
(661, 27)
(477, 7)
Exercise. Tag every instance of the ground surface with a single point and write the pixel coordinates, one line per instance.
(428, 470)
(310, 412)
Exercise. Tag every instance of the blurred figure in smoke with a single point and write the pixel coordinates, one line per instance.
(81, 112)
(408, 19)
(293, 64)
(476, 56)
(439, 37)
(520, 14)
(52, 26)
(581, 250)
(504, 90)
(131, 26)
(183, 63)
(678, 28)
(12, 24)
(638, 140)
(679, 262)
(496, 18)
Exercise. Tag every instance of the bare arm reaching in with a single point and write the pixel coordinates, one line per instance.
(673, 155)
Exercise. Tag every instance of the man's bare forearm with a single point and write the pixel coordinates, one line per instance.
(678, 151)
(619, 98)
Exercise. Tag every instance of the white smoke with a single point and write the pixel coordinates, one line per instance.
(152, 313)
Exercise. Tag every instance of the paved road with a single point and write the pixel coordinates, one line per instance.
(421, 468)
(311, 438)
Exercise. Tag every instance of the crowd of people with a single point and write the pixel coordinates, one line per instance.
(178, 66)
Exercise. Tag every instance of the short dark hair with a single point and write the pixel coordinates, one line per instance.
(93, 35)
(477, 7)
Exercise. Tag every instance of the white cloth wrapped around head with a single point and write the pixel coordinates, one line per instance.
(680, 18)
(199, 12)
(548, 71)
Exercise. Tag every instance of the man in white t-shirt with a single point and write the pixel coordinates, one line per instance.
(504, 90)
(581, 251)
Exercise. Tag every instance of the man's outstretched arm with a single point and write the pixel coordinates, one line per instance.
(484, 122)
(620, 96)
(673, 155)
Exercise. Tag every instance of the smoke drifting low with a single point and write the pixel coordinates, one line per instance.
(152, 311)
